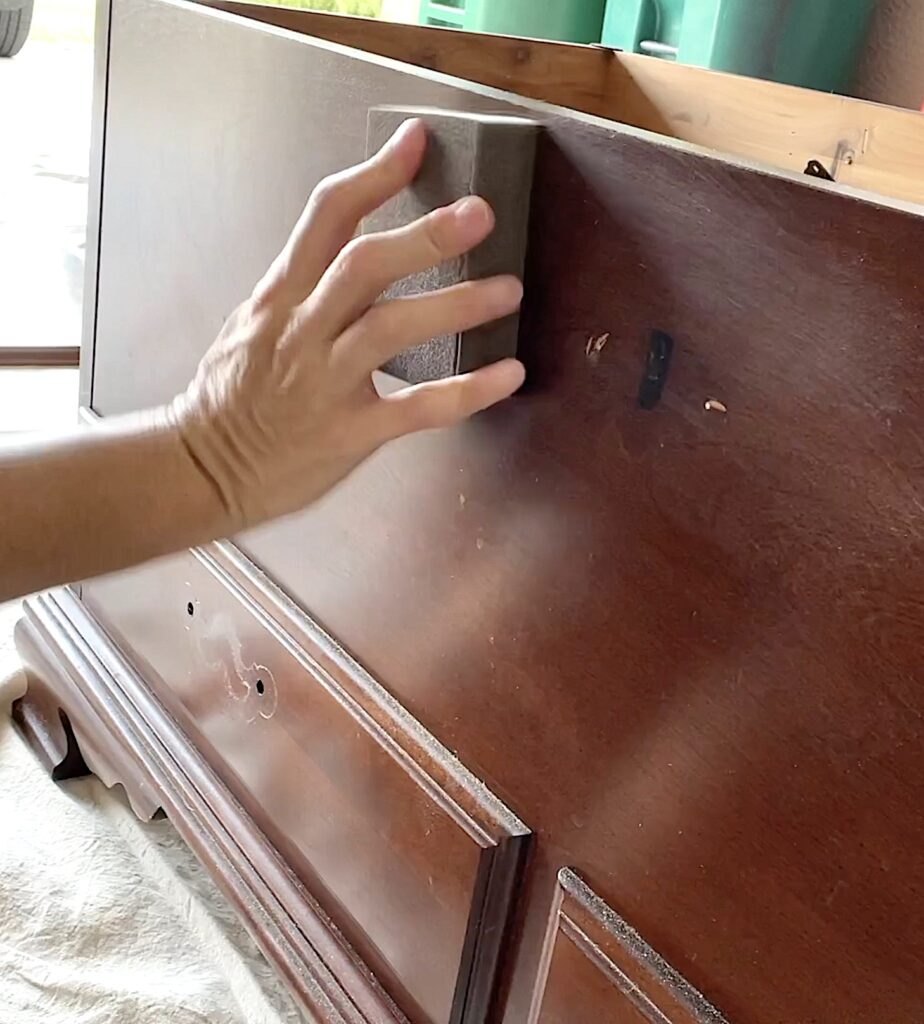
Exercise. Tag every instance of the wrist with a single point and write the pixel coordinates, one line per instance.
(208, 447)
(199, 469)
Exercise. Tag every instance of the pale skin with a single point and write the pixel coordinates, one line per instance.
(282, 406)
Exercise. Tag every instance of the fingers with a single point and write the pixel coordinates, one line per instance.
(446, 402)
(334, 211)
(391, 327)
(369, 264)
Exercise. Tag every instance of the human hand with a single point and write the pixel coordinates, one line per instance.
(283, 406)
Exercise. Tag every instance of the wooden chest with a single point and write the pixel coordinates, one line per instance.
(584, 711)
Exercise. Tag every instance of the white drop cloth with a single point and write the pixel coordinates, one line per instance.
(104, 920)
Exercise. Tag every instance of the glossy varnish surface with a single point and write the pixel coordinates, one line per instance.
(411, 857)
(127, 737)
(683, 644)
(596, 967)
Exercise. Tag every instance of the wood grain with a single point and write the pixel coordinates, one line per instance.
(39, 355)
(596, 967)
(68, 657)
(865, 145)
(682, 645)
(411, 857)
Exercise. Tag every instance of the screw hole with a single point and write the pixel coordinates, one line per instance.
(260, 687)
(190, 609)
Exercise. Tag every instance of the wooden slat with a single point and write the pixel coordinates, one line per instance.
(872, 147)
(39, 355)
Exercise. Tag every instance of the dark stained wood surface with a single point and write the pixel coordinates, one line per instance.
(69, 742)
(39, 355)
(682, 645)
(596, 967)
(46, 728)
(409, 856)
(71, 662)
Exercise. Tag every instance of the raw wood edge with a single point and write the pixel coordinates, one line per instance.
(642, 974)
(871, 147)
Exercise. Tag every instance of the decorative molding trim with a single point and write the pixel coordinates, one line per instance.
(613, 948)
(503, 838)
(112, 711)
(438, 771)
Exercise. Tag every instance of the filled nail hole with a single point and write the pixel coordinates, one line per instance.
(260, 687)
(190, 609)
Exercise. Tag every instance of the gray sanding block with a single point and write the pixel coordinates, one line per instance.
(467, 154)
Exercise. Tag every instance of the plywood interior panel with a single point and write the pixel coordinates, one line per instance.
(865, 145)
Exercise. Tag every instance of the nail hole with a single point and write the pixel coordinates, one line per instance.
(260, 687)
(190, 609)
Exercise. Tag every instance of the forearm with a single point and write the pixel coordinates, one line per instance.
(105, 497)
(282, 406)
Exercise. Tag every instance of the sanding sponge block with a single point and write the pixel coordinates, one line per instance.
(467, 154)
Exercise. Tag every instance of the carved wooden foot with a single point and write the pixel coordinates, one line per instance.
(87, 708)
(58, 722)
(47, 729)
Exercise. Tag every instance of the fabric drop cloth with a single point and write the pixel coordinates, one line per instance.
(104, 920)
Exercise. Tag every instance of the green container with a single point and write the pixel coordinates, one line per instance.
(576, 21)
(814, 43)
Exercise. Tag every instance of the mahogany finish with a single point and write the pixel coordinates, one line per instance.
(67, 655)
(39, 355)
(680, 644)
(408, 854)
(596, 967)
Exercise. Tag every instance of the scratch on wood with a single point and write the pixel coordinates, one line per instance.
(595, 344)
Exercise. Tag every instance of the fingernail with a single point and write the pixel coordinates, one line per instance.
(405, 129)
(509, 291)
(472, 212)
